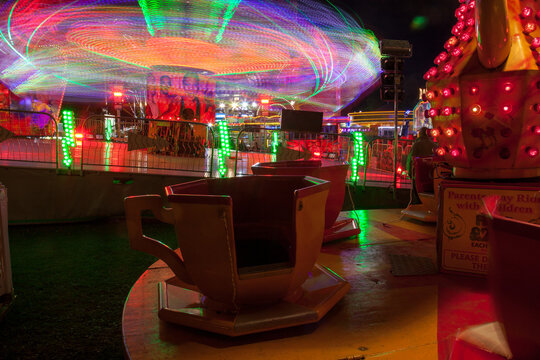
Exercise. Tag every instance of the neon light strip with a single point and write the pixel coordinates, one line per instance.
(224, 151)
(68, 141)
(358, 159)
(274, 142)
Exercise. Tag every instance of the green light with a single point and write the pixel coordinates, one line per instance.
(69, 137)
(274, 142)
(224, 150)
(358, 159)
(108, 129)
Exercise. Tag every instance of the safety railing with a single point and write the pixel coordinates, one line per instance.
(253, 145)
(28, 137)
(144, 145)
(380, 165)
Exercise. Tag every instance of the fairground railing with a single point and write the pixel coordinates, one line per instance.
(28, 137)
(380, 165)
(253, 145)
(145, 145)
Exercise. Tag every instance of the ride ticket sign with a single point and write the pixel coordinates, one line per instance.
(462, 242)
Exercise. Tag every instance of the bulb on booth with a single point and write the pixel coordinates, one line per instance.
(440, 151)
(474, 90)
(532, 151)
(447, 111)
(447, 92)
(508, 87)
(455, 152)
(450, 132)
(507, 109)
(476, 109)
(435, 132)
(450, 43)
(526, 12)
(535, 43)
(529, 27)
(448, 68)
(465, 37)
(433, 112)
(457, 52)
(536, 130)
(472, 5)
(431, 95)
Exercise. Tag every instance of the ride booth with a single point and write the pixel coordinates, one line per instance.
(485, 108)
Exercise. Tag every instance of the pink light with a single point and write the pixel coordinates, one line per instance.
(470, 22)
(440, 151)
(526, 12)
(536, 130)
(507, 109)
(455, 152)
(465, 37)
(448, 68)
(462, 8)
(442, 57)
(532, 151)
(433, 112)
(535, 42)
(447, 111)
(529, 27)
(459, 15)
(458, 28)
(472, 4)
(432, 71)
(457, 52)
(447, 92)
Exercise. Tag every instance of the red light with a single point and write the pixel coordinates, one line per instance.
(450, 43)
(537, 15)
(507, 109)
(432, 71)
(462, 8)
(427, 76)
(430, 95)
(535, 42)
(459, 15)
(435, 132)
(508, 87)
(458, 28)
(447, 111)
(433, 112)
(532, 151)
(536, 130)
(455, 152)
(465, 37)
(446, 92)
(442, 57)
(526, 12)
(447, 68)
(529, 27)
(450, 132)
(470, 22)
(476, 109)
(399, 170)
(457, 52)
(79, 136)
(316, 153)
(473, 90)
(118, 94)
(472, 4)
(440, 151)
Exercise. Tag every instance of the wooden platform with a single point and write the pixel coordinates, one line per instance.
(382, 317)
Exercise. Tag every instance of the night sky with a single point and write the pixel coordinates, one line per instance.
(395, 19)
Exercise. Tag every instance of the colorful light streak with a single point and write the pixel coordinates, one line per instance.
(303, 50)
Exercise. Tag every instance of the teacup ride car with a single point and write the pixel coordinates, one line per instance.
(336, 227)
(247, 253)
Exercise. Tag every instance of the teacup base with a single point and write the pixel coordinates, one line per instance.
(343, 228)
(320, 292)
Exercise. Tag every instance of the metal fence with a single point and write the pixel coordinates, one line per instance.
(28, 137)
(380, 165)
(127, 144)
(145, 145)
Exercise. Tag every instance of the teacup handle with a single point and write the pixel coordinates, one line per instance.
(134, 205)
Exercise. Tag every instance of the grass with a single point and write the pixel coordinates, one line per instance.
(70, 283)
